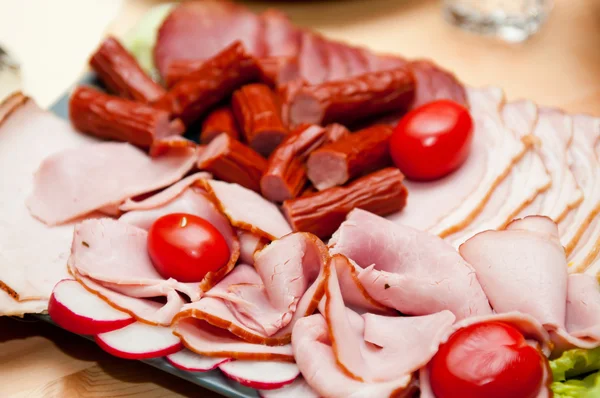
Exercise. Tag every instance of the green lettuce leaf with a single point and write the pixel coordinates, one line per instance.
(141, 39)
(574, 363)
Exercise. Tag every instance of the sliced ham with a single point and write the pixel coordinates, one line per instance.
(374, 348)
(354, 294)
(314, 58)
(205, 339)
(526, 180)
(248, 211)
(586, 169)
(524, 268)
(503, 149)
(128, 262)
(142, 309)
(315, 358)
(249, 244)
(281, 36)
(586, 257)
(166, 195)
(32, 255)
(554, 129)
(260, 304)
(434, 83)
(75, 182)
(199, 30)
(411, 271)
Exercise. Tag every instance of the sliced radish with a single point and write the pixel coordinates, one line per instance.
(261, 375)
(298, 389)
(192, 362)
(140, 341)
(80, 311)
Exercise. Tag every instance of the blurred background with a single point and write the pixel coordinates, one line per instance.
(558, 66)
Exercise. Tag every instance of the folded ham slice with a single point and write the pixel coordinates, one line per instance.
(526, 180)
(494, 151)
(412, 271)
(247, 210)
(524, 268)
(211, 341)
(261, 304)
(32, 255)
(554, 129)
(75, 182)
(249, 244)
(315, 358)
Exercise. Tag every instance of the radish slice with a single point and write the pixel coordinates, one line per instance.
(77, 310)
(261, 375)
(140, 341)
(298, 389)
(192, 362)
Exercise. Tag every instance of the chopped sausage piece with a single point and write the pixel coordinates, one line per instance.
(335, 132)
(230, 160)
(274, 71)
(219, 120)
(121, 73)
(286, 174)
(258, 113)
(359, 153)
(347, 101)
(106, 116)
(164, 145)
(190, 98)
(322, 213)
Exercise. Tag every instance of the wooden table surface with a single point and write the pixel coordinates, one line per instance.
(560, 66)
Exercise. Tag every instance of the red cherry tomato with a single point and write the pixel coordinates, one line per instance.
(433, 140)
(186, 247)
(490, 360)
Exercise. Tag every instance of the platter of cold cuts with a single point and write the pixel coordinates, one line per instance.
(267, 212)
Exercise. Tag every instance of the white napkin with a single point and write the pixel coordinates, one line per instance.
(52, 40)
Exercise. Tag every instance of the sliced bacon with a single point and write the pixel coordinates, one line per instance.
(75, 182)
(33, 255)
(412, 271)
(199, 30)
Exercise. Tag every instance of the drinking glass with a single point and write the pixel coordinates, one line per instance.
(511, 20)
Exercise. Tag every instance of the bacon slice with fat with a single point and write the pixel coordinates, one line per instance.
(412, 271)
(75, 182)
(32, 255)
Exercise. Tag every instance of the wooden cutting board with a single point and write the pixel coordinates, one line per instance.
(560, 66)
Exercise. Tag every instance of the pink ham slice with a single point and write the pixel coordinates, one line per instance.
(128, 262)
(261, 303)
(314, 58)
(586, 168)
(524, 268)
(315, 358)
(199, 30)
(554, 129)
(521, 186)
(282, 38)
(249, 244)
(32, 255)
(194, 201)
(204, 339)
(503, 149)
(434, 83)
(369, 348)
(583, 308)
(354, 294)
(75, 182)
(247, 210)
(412, 271)
(494, 150)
